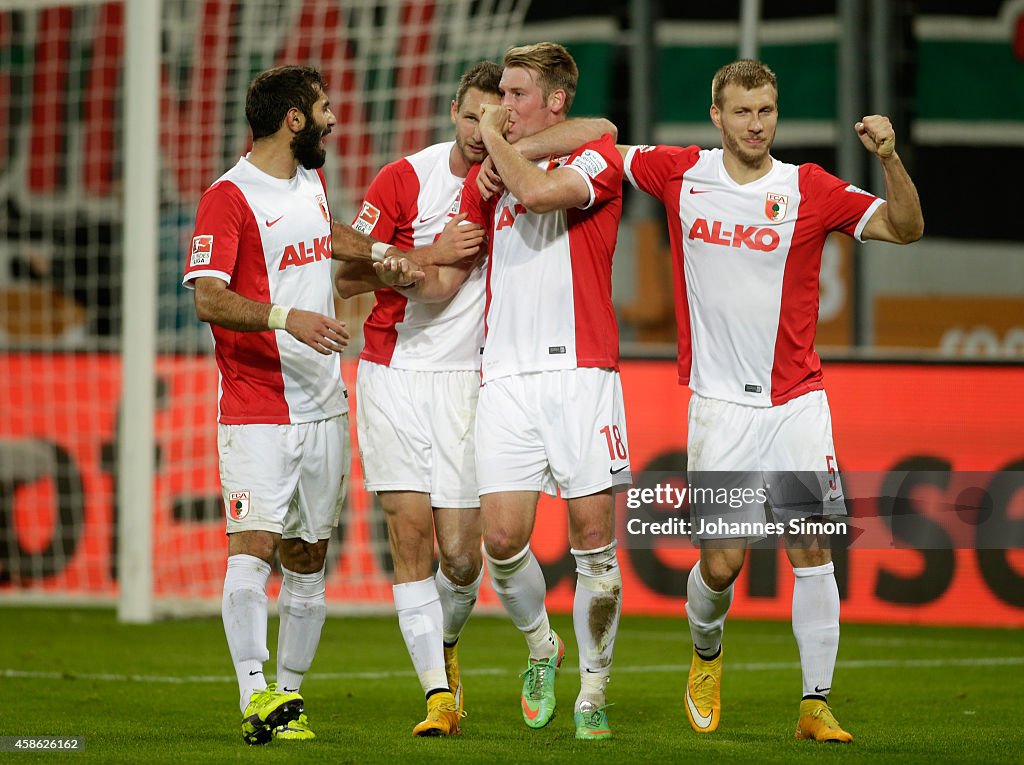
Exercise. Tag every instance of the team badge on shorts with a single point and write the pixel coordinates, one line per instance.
(775, 206)
(238, 505)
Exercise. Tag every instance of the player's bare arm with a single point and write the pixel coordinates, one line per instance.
(356, 252)
(900, 219)
(563, 138)
(398, 272)
(348, 245)
(456, 242)
(440, 283)
(355, 277)
(424, 284)
(455, 251)
(216, 304)
(539, 191)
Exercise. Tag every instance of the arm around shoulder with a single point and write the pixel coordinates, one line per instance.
(565, 137)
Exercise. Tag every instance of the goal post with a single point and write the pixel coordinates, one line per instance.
(118, 114)
(135, 459)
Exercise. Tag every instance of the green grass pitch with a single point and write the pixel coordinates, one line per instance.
(166, 693)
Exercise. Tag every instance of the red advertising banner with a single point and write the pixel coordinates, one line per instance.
(58, 446)
(887, 419)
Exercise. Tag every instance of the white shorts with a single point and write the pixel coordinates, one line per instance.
(287, 479)
(416, 432)
(785, 451)
(564, 428)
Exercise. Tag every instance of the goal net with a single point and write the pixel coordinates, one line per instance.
(73, 310)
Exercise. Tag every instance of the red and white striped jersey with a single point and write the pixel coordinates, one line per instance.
(746, 267)
(270, 240)
(549, 279)
(407, 205)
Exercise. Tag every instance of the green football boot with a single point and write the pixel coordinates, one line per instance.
(592, 722)
(538, 699)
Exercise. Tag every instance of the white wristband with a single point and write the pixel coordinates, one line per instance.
(379, 251)
(278, 316)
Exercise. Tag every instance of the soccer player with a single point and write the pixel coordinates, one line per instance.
(551, 411)
(747, 232)
(417, 387)
(260, 266)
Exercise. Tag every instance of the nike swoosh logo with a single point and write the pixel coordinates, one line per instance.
(429, 217)
(703, 721)
(530, 713)
(257, 672)
(272, 222)
(834, 497)
(822, 690)
(704, 191)
(290, 690)
(613, 471)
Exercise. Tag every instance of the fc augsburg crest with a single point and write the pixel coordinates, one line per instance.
(238, 504)
(775, 206)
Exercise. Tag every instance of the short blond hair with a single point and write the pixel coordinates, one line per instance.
(553, 64)
(747, 73)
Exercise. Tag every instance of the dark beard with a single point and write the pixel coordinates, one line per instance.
(306, 146)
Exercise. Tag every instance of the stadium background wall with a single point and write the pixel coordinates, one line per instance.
(887, 417)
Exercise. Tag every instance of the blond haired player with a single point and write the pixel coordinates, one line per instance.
(417, 389)
(747, 233)
(551, 412)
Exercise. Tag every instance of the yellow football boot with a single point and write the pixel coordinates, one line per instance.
(704, 693)
(442, 717)
(817, 723)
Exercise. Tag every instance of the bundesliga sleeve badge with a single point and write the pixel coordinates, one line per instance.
(367, 219)
(202, 250)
